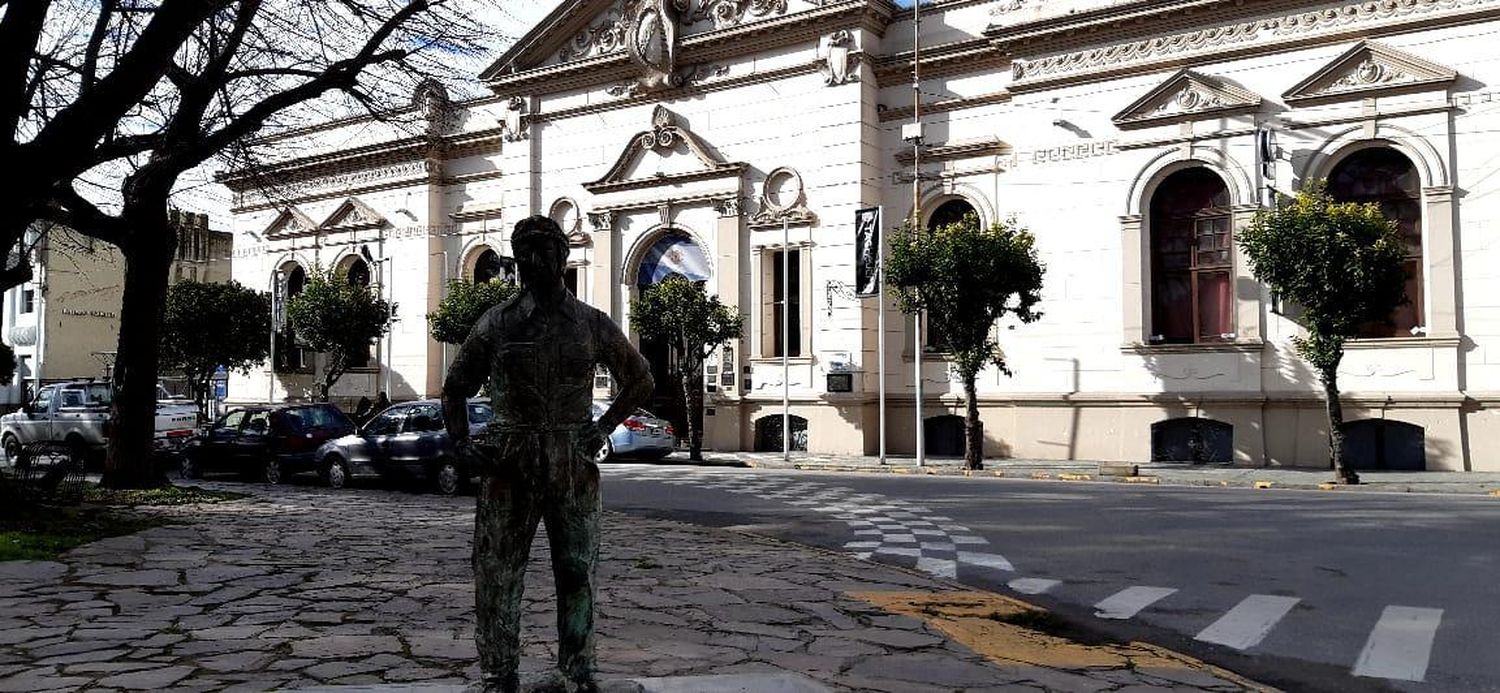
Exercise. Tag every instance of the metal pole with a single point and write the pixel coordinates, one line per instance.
(880, 322)
(271, 375)
(786, 340)
(390, 337)
(916, 198)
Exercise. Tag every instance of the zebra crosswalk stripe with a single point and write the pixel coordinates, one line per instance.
(1400, 645)
(1128, 602)
(1244, 626)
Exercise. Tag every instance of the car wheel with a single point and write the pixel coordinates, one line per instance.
(605, 451)
(12, 448)
(448, 479)
(271, 472)
(337, 473)
(188, 468)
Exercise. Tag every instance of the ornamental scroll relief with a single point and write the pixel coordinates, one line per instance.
(1187, 42)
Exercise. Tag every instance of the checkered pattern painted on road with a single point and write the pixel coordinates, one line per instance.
(883, 527)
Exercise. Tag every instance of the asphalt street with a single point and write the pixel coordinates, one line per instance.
(1303, 590)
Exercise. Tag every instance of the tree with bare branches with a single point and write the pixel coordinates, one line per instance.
(115, 100)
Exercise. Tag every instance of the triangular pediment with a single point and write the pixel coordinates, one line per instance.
(1367, 69)
(1187, 95)
(582, 31)
(668, 138)
(290, 222)
(352, 215)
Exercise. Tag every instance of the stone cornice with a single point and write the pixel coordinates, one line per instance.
(368, 156)
(707, 47)
(956, 151)
(1218, 34)
(904, 112)
(941, 61)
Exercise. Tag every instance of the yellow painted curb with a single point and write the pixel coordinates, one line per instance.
(1495, 494)
(1224, 483)
(1075, 477)
(1328, 486)
(998, 474)
(900, 470)
(1142, 479)
(996, 627)
(1040, 475)
(1264, 484)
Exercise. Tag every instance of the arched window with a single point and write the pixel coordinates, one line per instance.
(1192, 273)
(288, 355)
(490, 266)
(950, 212)
(1387, 178)
(357, 272)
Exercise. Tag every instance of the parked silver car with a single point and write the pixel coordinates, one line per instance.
(406, 442)
(642, 434)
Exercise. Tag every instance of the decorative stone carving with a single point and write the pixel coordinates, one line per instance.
(23, 335)
(290, 222)
(352, 215)
(1168, 45)
(839, 64)
(564, 211)
(1366, 68)
(731, 13)
(651, 41)
(687, 77)
(602, 221)
(783, 199)
(1187, 95)
(431, 100)
(665, 135)
(608, 36)
(510, 120)
(1007, 7)
(728, 206)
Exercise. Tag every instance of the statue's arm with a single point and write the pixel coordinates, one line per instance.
(467, 374)
(631, 373)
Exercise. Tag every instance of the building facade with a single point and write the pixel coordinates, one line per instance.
(732, 141)
(65, 322)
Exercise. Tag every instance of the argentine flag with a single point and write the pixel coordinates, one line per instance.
(673, 255)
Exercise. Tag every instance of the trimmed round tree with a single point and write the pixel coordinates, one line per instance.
(238, 321)
(1340, 263)
(465, 303)
(966, 277)
(692, 324)
(338, 319)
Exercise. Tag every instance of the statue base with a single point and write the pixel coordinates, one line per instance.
(541, 683)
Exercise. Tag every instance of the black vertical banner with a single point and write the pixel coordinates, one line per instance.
(867, 252)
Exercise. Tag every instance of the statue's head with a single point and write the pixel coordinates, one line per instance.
(541, 250)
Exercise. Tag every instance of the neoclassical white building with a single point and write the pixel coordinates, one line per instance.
(1135, 138)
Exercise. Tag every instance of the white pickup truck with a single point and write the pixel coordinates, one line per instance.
(76, 415)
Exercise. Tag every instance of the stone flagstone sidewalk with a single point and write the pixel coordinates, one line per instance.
(302, 587)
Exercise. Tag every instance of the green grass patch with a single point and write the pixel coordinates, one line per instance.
(166, 495)
(43, 532)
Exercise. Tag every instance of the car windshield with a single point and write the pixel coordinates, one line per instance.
(480, 413)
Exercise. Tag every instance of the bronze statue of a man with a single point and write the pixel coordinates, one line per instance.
(538, 351)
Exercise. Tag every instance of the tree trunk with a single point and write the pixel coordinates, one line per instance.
(973, 432)
(128, 459)
(1342, 473)
(331, 375)
(692, 396)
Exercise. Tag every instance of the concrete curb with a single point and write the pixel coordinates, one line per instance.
(1074, 474)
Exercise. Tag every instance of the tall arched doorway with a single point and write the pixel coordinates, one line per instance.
(674, 253)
